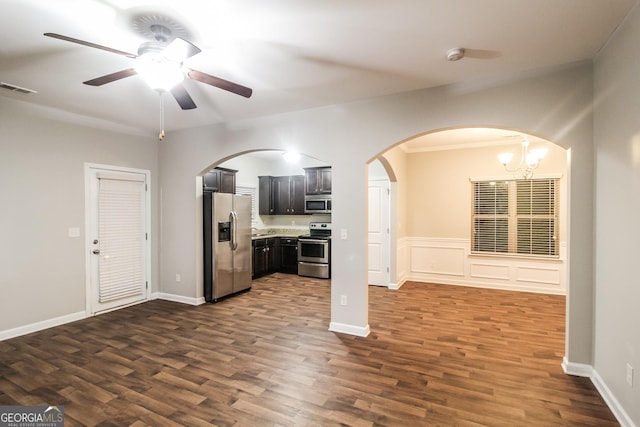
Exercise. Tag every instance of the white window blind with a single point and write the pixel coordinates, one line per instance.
(245, 190)
(121, 236)
(515, 217)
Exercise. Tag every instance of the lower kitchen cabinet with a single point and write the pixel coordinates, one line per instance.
(289, 255)
(266, 259)
(274, 254)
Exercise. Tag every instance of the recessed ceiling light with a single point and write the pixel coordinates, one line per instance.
(291, 156)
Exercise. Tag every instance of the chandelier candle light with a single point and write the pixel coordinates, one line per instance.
(529, 159)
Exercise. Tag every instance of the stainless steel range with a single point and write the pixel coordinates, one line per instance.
(314, 251)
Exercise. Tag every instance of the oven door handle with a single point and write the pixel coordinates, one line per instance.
(312, 240)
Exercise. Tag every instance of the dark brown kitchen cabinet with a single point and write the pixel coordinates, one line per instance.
(318, 180)
(281, 195)
(266, 200)
(259, 258)
(266, 259)
(289, 195)
(220, 180)
(289, 255)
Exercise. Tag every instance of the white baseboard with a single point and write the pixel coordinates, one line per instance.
(618, 411)
(358, 331)
(577, 369)
(584, 370)
(180, 298)
(39, 326)
(396, 286)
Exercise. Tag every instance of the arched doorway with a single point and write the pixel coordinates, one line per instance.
(432, 206)
(248, 167)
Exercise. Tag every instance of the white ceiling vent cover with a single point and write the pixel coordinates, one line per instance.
(15, 88)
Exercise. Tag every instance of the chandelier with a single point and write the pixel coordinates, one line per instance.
(529, 160)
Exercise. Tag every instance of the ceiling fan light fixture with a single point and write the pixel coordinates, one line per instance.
(159, 73)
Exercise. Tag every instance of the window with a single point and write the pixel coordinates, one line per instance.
(515, 217)
(249, 191)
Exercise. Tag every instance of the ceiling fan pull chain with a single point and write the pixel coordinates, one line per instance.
(161, 135)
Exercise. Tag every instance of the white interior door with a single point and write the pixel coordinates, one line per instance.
(378, 237)
(117, 239)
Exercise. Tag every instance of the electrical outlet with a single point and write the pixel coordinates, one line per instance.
(178, 278)
(343, 234)
(343, 300)
(629, 375)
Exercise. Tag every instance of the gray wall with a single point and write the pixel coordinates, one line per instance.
(617, 286)
(555, 106)
(42, 270)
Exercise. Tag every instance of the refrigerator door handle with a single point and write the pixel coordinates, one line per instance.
(233, 217)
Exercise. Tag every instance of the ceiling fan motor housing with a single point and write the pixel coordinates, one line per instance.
(161, 33)
(159, 27)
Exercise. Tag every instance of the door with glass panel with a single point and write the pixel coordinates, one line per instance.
(117, 239)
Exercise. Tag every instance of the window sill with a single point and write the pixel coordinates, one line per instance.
(546, 258)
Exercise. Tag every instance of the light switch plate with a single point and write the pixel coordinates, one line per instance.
(74, 232)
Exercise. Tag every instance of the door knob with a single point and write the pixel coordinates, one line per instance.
(96, 251)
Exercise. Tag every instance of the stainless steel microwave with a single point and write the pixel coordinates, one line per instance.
(317, 204)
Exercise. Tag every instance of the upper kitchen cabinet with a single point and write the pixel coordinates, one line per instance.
(266, 199)
(220, 180)
(281, 195)
(289, 194)
(318, 180)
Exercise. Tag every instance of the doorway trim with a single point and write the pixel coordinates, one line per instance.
(382, 184)
(89, 168)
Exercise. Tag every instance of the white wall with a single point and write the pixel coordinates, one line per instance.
(617, 286)
(555, 106)
(42, 270)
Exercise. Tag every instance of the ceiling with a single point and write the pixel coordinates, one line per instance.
(294, 54)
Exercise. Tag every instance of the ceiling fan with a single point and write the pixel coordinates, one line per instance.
(161, 63)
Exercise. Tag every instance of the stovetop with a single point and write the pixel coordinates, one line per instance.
(318, 230)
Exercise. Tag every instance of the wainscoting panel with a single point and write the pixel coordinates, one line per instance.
(449, 261)
(480, 270)
(437, 259)
(546, 275)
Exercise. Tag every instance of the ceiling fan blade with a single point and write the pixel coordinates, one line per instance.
(221, 83)
(182, 96)
(179, 50)
(86, 43)
(99, 81)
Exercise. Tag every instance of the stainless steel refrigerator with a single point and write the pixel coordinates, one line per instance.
(227, 245)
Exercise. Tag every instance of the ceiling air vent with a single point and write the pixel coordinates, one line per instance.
(15, 88)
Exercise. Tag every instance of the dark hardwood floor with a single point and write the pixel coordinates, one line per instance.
(437, 356)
